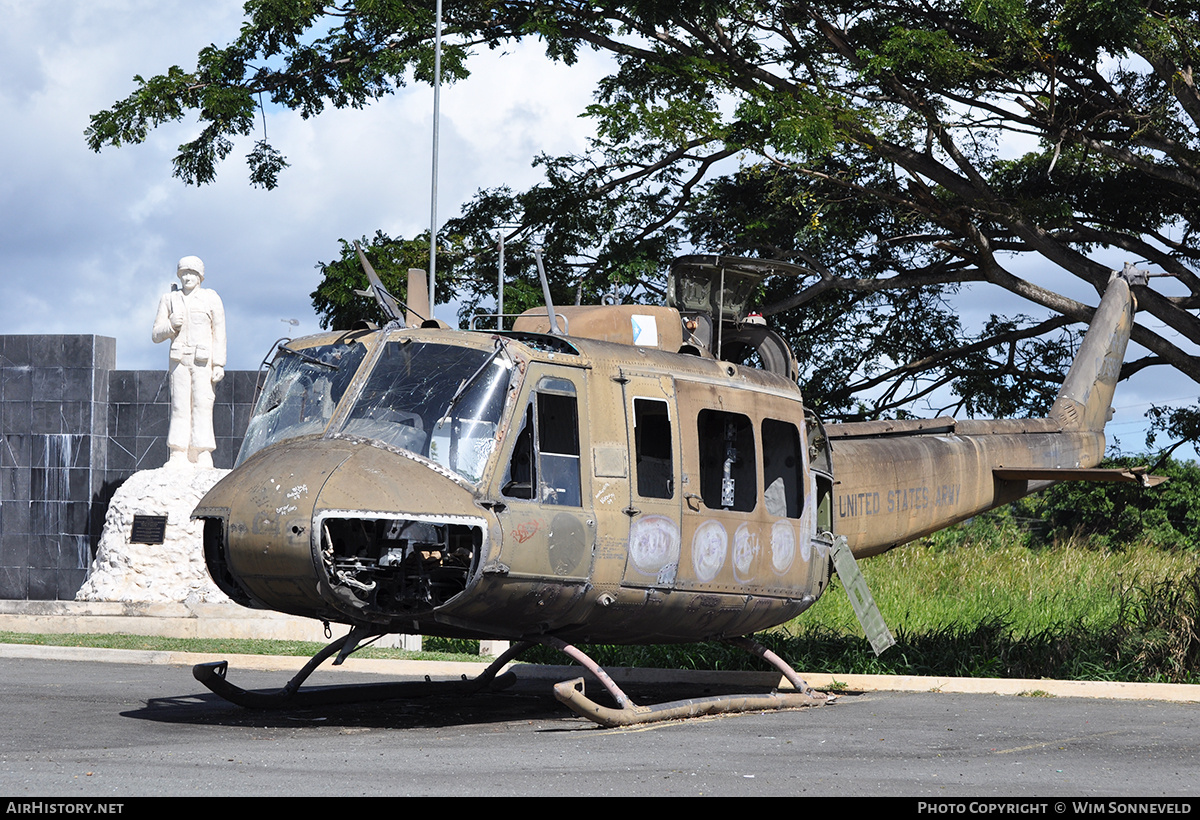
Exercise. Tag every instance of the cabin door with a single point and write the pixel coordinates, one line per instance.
(747, 504)
(548, 528)
(652, 427)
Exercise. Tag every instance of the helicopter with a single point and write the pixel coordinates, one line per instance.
(622, 474)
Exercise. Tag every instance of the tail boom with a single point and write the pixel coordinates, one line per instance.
(896, 481)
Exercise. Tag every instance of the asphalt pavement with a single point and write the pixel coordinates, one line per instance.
(134, 726)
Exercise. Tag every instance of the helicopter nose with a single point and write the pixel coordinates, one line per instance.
(375, 479)
(344, 530)
(398, 536)
(258, 519)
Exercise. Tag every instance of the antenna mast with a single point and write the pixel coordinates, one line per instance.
(437, 93)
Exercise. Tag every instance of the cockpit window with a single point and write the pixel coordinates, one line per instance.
(301, 391)
(545, 458)
(440, 401)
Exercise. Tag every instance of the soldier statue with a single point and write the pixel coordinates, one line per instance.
(193, 318)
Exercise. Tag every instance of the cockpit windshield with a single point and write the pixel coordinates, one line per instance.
(440, 401)
(302, 389)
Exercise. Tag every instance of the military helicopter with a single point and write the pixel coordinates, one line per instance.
(607, 474)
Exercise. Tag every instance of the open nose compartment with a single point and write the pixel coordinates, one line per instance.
(399, 566)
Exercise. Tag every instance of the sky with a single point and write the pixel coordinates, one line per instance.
(89, 241)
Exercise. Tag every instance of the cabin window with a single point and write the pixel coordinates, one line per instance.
(652, 448)
(545, 459)
(728, 474)
(521, 476)
(783, 470)
(558, 446)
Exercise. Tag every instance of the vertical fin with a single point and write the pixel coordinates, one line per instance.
(1085, 400)
(418, 298)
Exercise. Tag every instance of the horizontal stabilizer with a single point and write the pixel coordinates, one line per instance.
(1121, 474)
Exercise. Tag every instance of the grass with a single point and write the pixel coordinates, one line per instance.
(436, 650)
(978, 607)
(973, 601)
(928, 587)
(969, 606)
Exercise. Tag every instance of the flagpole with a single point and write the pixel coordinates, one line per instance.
(437, 92)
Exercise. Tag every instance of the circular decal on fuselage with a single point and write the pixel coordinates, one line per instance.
(710, 545)
(745, 552)
(783, 546)
(653, 543)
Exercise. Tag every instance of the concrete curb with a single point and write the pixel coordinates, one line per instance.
(168, 620)
(1172, 692)
(1115, 690)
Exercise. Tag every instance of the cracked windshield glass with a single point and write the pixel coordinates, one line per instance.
(302, 389)
(439, 401)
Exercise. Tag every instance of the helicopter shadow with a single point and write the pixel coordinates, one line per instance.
(527, 702)
(419, 712)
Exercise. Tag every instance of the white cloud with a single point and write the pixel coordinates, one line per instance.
(89, 241)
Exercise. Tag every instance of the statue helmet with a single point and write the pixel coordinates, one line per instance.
(191, 263)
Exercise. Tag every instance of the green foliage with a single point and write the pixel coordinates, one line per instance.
(932, 57)
(1111, 515)
(265, 164)
(302, 55)
(336, 299)
(877, 132)
(1181, 424)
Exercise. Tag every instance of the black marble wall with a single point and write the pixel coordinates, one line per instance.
(72, 428)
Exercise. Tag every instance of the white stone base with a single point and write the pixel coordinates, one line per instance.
(170, 572)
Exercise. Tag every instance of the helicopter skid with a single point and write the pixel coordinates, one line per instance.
(628, 713)
(571, 693)
(212, 675)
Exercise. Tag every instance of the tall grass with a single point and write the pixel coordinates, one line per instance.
(988, 599)
(982, 573)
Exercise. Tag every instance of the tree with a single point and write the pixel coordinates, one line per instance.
(337, 301)
(874, 143)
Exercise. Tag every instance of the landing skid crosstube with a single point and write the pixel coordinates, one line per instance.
(570, 693)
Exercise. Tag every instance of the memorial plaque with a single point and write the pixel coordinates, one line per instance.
(148, 529)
